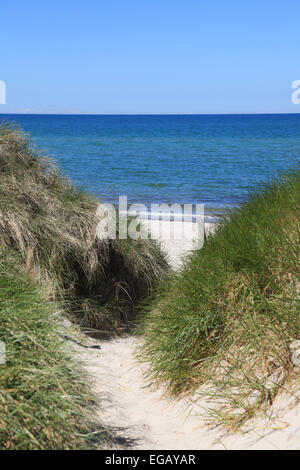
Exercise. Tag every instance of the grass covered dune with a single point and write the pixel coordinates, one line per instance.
(52, 225)
(228, 318)
(52, 264)
(44, 400)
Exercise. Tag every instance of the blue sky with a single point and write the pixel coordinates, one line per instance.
(149, 56)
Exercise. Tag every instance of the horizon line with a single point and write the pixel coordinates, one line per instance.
(149, 114)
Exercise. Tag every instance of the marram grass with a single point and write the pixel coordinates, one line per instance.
(45, 402)
(52, 224)
(228, 318)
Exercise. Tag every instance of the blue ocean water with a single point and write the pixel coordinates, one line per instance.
(210, 159)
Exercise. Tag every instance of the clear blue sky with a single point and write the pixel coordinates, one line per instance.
(149, 56)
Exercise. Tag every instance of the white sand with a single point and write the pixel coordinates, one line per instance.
(147, 420)
(144, 419)
(178, 238)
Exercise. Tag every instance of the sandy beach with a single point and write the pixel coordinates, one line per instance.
(178, 238)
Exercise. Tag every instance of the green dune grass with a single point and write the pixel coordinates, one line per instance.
(45, 401)
(227, 319)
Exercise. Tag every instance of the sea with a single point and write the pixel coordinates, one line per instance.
(215, 160)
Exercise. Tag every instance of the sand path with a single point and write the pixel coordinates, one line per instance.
(145, 419)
